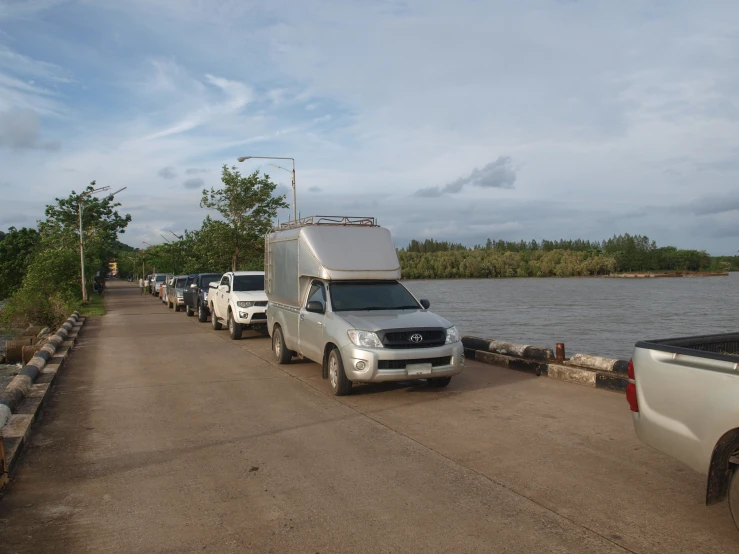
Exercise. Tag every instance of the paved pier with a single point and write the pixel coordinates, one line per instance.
(163, 435)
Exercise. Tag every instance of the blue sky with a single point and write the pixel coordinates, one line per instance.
(457, 121)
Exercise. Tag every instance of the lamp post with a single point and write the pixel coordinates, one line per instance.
(80, 198)
(295, 201)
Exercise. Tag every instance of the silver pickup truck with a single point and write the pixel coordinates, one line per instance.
(684, 398)
(334, 298)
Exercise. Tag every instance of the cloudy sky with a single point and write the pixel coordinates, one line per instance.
(453, 120)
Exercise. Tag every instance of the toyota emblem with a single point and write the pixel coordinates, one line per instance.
(416, 338)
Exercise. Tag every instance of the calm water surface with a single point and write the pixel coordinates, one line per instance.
(596, 316)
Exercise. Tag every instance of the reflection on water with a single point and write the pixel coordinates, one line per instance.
(597, 316)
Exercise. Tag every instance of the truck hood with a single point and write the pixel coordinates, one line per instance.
(378, 320)
(253, 295)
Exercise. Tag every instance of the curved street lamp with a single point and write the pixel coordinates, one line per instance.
(80, 198)
(295, 200)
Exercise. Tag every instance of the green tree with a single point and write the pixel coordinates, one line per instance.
(51, 286)
(248, 207)
(17, 248)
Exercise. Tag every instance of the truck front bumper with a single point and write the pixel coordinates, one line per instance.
(251, 316)
(386, 364)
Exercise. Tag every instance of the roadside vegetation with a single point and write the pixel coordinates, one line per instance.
(40, 269)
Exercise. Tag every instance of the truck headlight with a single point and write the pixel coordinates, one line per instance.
(244, 304)
(364, 338)
(452, 335)
(205, 296)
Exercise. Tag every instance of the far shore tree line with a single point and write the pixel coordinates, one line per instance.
(40, 268)
(431, 259)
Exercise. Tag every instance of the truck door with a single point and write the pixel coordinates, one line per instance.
(220, 302)
(310, 327)
(189, 296)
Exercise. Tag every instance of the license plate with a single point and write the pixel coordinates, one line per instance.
(418, 369)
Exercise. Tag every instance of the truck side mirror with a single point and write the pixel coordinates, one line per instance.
(315, 307)
(425, 303)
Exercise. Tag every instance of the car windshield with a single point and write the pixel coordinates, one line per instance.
(205, 280)
(244, 283)
(180, 284)
(160, 278)
(371, 295)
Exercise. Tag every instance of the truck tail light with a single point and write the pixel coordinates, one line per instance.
(631, 389)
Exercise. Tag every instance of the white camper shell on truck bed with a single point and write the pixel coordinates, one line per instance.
(334, 298)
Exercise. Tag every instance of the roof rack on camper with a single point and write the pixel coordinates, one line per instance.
(342, 220)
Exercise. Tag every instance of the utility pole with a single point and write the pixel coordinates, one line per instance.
(82, 242)
(82, 255)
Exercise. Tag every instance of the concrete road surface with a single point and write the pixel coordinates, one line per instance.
(163, 435)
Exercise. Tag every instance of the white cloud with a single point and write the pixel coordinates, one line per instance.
(588, 100)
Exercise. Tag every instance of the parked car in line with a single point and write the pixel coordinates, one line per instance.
(196, 295)
(334, 298)
(239, 300)
(163, 289)
(175, 292)
(684, 399)
(158, 279)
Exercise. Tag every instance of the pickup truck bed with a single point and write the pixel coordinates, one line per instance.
(723, 347)
(684, 398)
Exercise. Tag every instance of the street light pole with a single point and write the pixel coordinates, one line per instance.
(82, 243)
(295, 199)
(82, 255)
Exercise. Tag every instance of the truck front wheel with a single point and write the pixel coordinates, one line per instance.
(234, 329)
(340, 384)
(214, 320)
(282, 354)
(189, 311)
(734, 496)
(202, 314)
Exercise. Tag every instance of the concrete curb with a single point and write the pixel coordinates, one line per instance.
(17, 430)
(523, 351)
(21, 383)
(606, 379)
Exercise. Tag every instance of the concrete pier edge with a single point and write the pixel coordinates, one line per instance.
(582, 369)
(14, 427)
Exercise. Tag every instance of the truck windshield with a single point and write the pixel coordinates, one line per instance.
(160, 278)
(244, 283)
(371, 295)
(205, 280)
(180, 284)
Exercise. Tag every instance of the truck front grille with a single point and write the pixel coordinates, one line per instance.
(400, 364)
(260, 303)
(258, 316)
(409, 338)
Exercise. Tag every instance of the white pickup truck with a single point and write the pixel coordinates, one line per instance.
(239, 300)
(684, 398)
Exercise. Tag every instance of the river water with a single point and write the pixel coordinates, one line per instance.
(596, 316)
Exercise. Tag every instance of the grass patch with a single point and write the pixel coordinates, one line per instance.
(94, 307)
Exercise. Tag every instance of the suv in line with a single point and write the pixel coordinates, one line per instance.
(196, 295)
(240, 300)
(157, 280)
(175, 292)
